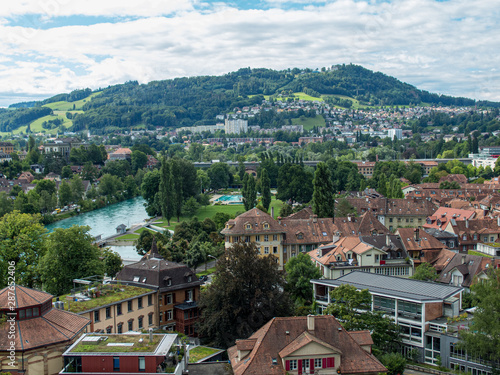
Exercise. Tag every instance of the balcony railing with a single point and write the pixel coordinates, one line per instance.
(344, 264)
(322, 298)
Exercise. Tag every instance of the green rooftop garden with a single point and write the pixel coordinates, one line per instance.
(200, 352)
(105, 347)
(100, 295)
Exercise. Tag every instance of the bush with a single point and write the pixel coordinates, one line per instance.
(394, 362)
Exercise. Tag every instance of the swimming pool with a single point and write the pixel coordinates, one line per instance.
(230, 199)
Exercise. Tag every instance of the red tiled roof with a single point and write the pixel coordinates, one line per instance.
(24, 297)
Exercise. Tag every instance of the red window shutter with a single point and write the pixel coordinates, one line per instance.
(300, 366)
(324, 363)
(287, 365)
(331, 362)
(311, 365)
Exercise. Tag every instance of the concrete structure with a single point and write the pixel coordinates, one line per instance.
(236, 126)
(413, 304)
(395, 133)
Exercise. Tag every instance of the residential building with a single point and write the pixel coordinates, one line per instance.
(420, 246)
(6, 148)
(442, 216)
(364, 225)
(120, 154)
(37, 333)
(395, 133)
(464, 270)
(471, 232)
(448, 239)
(395, 213)
(113, 308)
(176, 286)
(366, 168)
(413, 304)
(235, 126)
(283, 238)
(380, 254)
(131, 354)
(63, 146)
(304, 345)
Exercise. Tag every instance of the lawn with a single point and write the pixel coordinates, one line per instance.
(68, 106)
(139, 231)
(210, 211)
(128, 237)
(472, 252)
(207, 272)
(303, 96)
(309, 122)
(200, 352)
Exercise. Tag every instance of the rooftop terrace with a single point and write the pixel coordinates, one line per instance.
(98, 296)
(123, 343)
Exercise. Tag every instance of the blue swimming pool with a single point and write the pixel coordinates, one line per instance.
(230, 199)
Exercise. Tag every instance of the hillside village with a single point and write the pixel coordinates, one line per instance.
(406, 213)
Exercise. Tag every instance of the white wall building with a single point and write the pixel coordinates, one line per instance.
(398, 133)
(236, 126)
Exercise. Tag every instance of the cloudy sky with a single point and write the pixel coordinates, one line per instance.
(53, 46)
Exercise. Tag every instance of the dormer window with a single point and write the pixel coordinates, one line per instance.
(464, 237)
(248, 226)
(266, 226)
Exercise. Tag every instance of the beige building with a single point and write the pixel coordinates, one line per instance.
(116, 308)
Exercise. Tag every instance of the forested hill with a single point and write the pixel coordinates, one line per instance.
(196, 100)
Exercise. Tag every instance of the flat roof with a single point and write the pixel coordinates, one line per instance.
(123, 344)
(398, 287)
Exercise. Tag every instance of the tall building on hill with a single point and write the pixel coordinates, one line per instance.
(236, 126)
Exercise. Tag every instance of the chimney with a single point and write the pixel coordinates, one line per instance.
(417, 234)
(467, 223)
(151, 335)
(387, 240)
(463, 258)
(310, 323)
(272, 212)
(315, 218)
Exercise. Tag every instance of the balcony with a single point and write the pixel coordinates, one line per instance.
(322, 298)
(344, 264)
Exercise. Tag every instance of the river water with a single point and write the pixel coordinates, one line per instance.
(105, 220)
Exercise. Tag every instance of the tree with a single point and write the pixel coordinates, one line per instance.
(265, 183)
(246, 292)
(394, 362)
(484, 339)
(89, 172)
(343, 208)
(21, 242)
(219, 176)
(65, 194)
(77, 188)
(48, 185)
(323, 203)
(353, 309)
(66, 172)
(249, 192)
(166, 189)
(294, 183)
(190, 207)
(70, 255)
(300, 270)
(425, 272)
(112, 262)
(139, 160)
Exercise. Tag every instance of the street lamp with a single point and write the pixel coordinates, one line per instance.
(211, 256)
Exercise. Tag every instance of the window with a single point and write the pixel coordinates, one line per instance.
(266, 238)
(142, 364)
(129, 305)
(189, 295)
(96, 316)
(190, 278)
(317, 363)
(275, 249)
(248, 226)
(108, 312)
(168, 299)
(119, 309)
(131, 325)
(475, 237)
(139, 303)
(116, 363)
(119, 328)
(275, 237)
(293, 364)
(140, 319)
(247, 239)
(36, 311)
(170, 315)
(108, 329)
(150, 300)
(376, 257)
(150, 319)
(257, 238)
(266, 250)
(492, 239)
(464, 237)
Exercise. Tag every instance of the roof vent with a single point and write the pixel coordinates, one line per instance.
(340, 328)
(287, 333)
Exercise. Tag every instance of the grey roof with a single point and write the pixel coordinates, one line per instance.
(394, 286)
(439, 233)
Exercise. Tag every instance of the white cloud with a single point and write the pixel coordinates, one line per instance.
(446, 47)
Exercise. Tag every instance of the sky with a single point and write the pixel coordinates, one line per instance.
(49, 47)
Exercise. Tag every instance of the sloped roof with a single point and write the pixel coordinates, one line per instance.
(468, 265)
(23, 297)
(365, 225)
(443, 215)
(256, 219)
(425, 240)
(394, 286)
(362, 337)
(280, 333)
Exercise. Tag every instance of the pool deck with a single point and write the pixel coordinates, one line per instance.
(215, 198)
